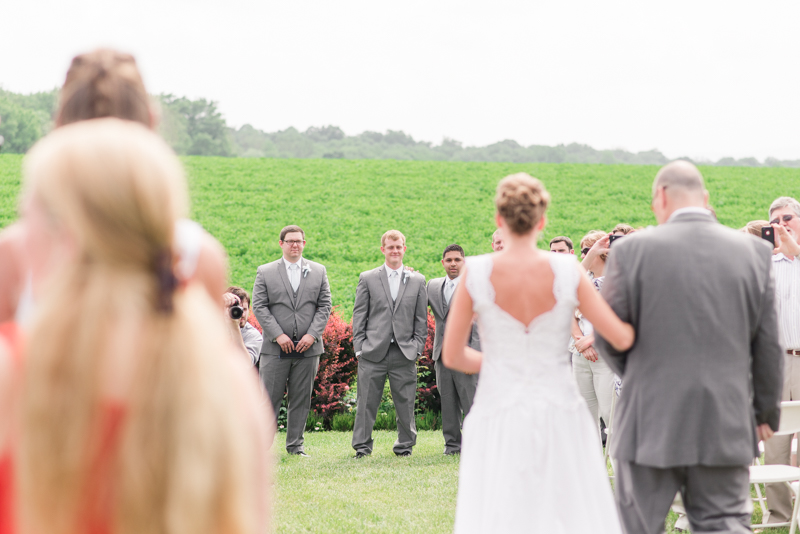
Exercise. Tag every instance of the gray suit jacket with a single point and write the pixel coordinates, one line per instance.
(279, 313)
(376, 321)
(706, 366)
(440, 310)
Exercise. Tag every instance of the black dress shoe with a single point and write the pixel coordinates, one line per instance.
(360, 454)
(404, 453)
(452, 453)
(300, 453)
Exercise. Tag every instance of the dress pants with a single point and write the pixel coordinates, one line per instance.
(298, 373)
(402, 374)
(778, 449)
(717, 499)
(457, 391)
(596, 384)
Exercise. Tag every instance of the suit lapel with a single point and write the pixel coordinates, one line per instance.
(436, 299)
(402, 289)
(281, 266)
(445, 305)
(385, 283)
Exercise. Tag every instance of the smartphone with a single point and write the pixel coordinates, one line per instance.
(612, 238)
(768, 233)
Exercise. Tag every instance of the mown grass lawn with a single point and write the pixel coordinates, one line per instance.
(332, 492)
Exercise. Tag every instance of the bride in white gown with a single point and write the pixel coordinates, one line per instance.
(531, 457)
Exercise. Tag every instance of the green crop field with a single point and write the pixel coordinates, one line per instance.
(345, 205)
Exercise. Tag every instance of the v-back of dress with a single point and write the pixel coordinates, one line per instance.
(531, 457)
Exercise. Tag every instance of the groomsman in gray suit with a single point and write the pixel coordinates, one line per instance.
(703, 379)
(390, 326)
(456, 389)
(292, 302)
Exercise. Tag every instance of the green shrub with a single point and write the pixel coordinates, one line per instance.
(343, 422)
(386, 420)
(314, 422)
(429, 420)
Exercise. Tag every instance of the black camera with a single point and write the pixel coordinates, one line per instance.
(236, 312)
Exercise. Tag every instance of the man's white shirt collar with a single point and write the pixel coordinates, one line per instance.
(454, 280)
(399, 270)
(289, 263)
(689, 209)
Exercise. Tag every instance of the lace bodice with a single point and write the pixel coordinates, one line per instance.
(524, 365)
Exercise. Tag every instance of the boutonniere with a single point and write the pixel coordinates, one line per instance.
(406, 274)
(306, 270)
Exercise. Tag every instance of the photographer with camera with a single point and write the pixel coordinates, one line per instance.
(237, 308)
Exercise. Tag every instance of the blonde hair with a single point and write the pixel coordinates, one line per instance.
(591, 238)
(180, 461)
(394, 235)
(103, 83)
(754, 227)
(521, 201)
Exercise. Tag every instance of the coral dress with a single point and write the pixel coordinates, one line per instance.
(96, 514)
(531, 459)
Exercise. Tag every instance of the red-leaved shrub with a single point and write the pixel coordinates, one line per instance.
(338, 367)
(427, 394)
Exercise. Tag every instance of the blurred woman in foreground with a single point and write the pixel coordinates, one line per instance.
(134, 413)
(107, 83)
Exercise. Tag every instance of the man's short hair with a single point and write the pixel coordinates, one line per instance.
(562, 239)
(453, 248)
(241, 293)
(623, 229)
(785, 202)
(292, 228)
(394, 235)
(494, 235)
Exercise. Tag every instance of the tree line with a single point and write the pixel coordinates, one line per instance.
(197, 127)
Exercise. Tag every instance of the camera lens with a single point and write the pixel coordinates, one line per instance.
(236, 312)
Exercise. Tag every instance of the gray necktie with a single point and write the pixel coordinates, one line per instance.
(394, 284)
(294, 276)
(448, 291)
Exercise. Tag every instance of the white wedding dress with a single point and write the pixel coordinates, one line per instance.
(531, 459)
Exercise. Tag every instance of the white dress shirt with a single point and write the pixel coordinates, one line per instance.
(293, 271)
(787, 297)
(394, 280)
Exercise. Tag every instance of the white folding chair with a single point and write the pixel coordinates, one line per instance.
(787, 474)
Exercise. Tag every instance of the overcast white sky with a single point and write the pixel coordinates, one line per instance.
(698, 78)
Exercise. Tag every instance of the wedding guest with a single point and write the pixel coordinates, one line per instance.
(158, 423)
(594, 377)
(456, 389)
(292, 302)
(250, 339)
(497, 241)
(784, 215)
(390, 327)
(754, 227)
(594, 252)
(107, 83)
(561, 245)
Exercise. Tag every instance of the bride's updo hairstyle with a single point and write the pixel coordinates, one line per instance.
(521, 201)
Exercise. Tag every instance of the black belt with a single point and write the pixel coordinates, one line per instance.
(793, 352)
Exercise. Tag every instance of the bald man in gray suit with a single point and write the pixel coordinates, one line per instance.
(702, 382)
(456, 389)
(390, 326)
